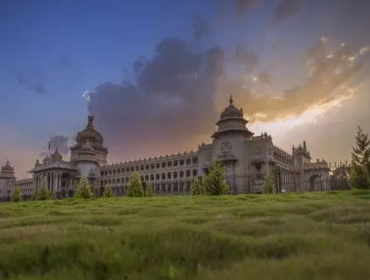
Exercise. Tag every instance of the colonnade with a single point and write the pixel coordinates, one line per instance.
(52, 179)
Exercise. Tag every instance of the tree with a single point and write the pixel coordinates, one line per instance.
(107, 191)
(359, 177)
(361, 153)
(149, 190)
(83, 189)
(135, 186)
(35, 195)
(196, 187)
(269, 186)
(214, 182)
(16, 195)
(43, 193)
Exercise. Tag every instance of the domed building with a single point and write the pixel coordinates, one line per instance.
(94, 138)
(248, 158)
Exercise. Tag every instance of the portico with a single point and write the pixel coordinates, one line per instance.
(56, 173)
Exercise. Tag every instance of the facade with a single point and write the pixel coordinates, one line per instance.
(245, 156)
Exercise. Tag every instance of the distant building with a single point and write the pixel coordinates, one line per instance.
(247, 159)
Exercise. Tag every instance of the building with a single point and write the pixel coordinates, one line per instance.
(247, 159)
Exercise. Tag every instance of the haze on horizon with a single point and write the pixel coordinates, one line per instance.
(157, 74)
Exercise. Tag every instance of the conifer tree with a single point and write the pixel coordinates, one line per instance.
(196, 187)
(359, 177)
(149, 190)
(214, 182)
(107, 191)
(83, 190)
(135, 186)
(269, 186)
(361, 153)
(35, 195)
(16, 195)
(43, 193)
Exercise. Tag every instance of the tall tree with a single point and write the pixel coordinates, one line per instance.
(361, 153)
(359, 177)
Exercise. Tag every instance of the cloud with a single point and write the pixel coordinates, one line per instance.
(331, 76)
(200, 27)
(169, 99)
(59, 142)
(34, 87)
(285, 10)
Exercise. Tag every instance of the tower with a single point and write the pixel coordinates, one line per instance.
(7, 180)
(96, 141)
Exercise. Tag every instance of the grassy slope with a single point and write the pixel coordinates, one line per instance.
(292, 236)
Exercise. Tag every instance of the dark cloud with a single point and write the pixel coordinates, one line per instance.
(245, 58)
(200, 27)
(285, 10)
(33, 87)
(170, 98)
(59, 142)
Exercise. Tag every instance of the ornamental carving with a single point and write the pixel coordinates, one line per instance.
(209, 157)
(258, 151)
(226, 147)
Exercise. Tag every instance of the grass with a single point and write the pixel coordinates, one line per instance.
(291, 236)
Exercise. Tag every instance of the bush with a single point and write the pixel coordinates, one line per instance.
(16, 195)
(358, 177)
(35, 196)
(269, 186)
(214, 183)
(83, 189)
(43, 193)
(107, 191)
(197, 187)
(135, 186)
(149, 190)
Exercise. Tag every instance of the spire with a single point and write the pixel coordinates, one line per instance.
(231, 101)
(90, 121)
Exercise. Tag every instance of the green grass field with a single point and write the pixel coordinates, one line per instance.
(292, 236)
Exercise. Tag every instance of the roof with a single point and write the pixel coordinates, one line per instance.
(89, 133)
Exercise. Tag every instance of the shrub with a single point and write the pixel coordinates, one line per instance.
(269, 186)
(43, 193)
(107, 191)
(149, 190)
(358, 177)
(135, 186)
(16, 195)
(35, 195)
(214, 182)
(83, 189)
(197, 187)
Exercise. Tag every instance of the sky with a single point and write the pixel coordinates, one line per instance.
(157, 74)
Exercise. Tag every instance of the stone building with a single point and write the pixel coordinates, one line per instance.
(247, 159)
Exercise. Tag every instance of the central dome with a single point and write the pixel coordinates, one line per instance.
(231, 111)
(89, 133)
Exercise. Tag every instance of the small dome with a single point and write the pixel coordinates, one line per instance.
(7, 167)
(231, 111)
(56, 156)
(89, 133)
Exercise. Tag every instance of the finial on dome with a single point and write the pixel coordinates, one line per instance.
(90, 121)
(231, 101)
